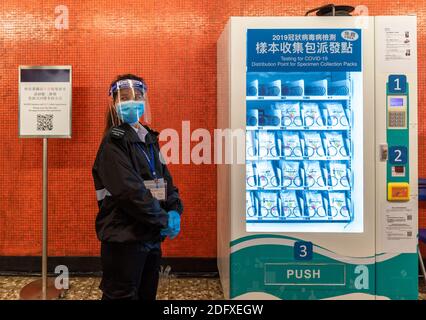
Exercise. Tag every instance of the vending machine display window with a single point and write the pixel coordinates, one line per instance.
(303, 165)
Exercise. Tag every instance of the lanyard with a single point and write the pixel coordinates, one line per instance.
(151, 162)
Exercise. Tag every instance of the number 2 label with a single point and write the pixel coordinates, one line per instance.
(398, 155)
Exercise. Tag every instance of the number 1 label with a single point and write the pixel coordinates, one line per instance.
(397, 83)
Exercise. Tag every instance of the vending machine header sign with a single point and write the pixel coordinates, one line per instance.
(304, 50)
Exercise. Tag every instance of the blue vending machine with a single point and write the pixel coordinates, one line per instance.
(324, 203)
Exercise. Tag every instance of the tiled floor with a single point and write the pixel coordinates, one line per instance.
(86, 288)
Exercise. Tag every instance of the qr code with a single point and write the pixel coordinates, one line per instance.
(409, 217)
(409, 233)
(44, 122)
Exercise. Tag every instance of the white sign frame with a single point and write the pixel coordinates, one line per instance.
(22, 113)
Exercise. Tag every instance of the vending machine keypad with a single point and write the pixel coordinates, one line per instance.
(397, 112)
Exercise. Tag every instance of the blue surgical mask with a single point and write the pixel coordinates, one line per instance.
(130, 111)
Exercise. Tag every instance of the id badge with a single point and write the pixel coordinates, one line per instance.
(158, 188)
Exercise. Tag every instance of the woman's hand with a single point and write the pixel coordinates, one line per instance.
(173, 228)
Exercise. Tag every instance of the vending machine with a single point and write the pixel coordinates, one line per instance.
(323, 204)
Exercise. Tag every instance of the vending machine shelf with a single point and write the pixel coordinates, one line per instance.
(271, 128)
(297, 98)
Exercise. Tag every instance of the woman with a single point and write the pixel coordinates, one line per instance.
(139, 206)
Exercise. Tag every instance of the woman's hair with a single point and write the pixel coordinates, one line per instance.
(111, 115)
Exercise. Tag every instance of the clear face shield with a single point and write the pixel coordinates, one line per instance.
(129, 102)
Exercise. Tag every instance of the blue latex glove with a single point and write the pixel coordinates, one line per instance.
(173, 227)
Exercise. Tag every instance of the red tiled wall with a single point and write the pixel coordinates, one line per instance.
(172, 44)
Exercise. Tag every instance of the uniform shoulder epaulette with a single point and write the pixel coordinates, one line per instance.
(117, 133)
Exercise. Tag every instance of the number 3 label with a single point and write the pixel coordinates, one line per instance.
(303, 250)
